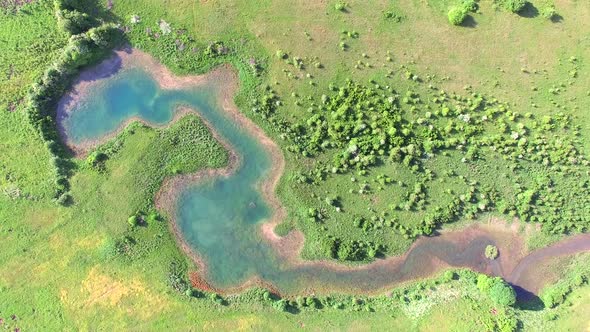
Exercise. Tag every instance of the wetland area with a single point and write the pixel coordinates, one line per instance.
(224, 218)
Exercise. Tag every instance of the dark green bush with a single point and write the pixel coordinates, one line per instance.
(502, 293)
(74, 22)
(281, 305)
(96, 158)
(64, 199)
(497, 289)
(176, 277)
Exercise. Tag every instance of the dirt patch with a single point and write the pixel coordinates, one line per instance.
(130, 297)
(104, 290)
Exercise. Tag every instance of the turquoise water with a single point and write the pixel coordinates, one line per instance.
(220, 217)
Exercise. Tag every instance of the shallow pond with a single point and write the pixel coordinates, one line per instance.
(220, 217)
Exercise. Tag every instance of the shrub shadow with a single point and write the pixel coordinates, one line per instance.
(469, 22)
(556, 18)
(529, 11)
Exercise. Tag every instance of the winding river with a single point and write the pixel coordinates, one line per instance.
(219, 218)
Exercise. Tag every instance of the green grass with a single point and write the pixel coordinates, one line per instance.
(28, 42)
(57, 270)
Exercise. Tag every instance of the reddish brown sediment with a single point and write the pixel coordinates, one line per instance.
(198, 282)
(507, 238)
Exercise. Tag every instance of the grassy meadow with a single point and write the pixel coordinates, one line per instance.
(83, 267)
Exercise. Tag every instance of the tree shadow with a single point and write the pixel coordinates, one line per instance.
(527, 300)
(529, 11)
(469, 22)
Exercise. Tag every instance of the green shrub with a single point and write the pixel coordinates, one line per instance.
(176, 280)
(506, 321)
(133, 220)
(393, 16)
(514, 6)
(497, 289)
(217, 299)
(449, 276)
(71, 18)
(469, 5)
(341, 6)
(549, 12)
(74, 22)
(281, 54)
(96, 159)
(153, 217)
(457, 15)
(491, 252)
(281, 305)
(484, 283)
(64, 199)
(502, 293)
(556, 294)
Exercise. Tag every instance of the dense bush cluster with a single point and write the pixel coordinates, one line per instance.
(82, 49)
(434, 137)
(72, 18)
(355, 250)
(414, 299)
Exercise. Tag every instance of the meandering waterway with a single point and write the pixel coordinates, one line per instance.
(218, 215)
